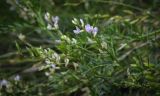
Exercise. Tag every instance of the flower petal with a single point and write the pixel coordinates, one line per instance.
(55, 19)
(77, 31)
(94, 32)
(82, 22)
(47, 17)
(88, 28)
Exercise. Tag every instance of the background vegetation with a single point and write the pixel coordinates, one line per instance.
(42, 56)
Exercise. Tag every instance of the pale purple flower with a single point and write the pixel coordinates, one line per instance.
(55, 19)
(77, 31)
(53, 66)
(3, 83)
(88, 28)
(91, 29)
(52, 21)
(94, 31)
(17, 78)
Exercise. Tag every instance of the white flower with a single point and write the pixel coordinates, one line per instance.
(47, 74)
(47, 17)
(64, 37)
(56, 57)
(58, 41)
(49, 27)
(66, 60)
(4, 83)
(75, 21)
(17, 78)
(55, 20)
(82, 22)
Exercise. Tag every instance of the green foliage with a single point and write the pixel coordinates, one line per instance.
(54, 53)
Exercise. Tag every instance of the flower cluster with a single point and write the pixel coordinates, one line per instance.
(6, 83)
(88, 28)
(52, 21)
(91, 29)
(50, 57)
(51, 64)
